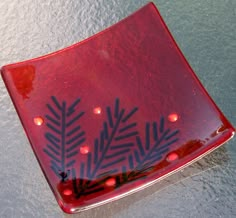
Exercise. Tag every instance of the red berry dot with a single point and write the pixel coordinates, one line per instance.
(110, 182)
(84, 149)
(38, 121)
(172, 157)
(67, 192)
(173, 117)
(97, 110)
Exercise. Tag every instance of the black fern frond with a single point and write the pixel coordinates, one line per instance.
(149, 151)
(112, 146)
(118, 153)
(129, 177)
(64, 136)
(83, 187)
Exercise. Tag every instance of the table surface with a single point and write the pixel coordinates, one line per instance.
(206, 33)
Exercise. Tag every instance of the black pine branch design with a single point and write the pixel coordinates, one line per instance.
(118, 141)
(111, 147)
(87, 187)
(64, 136)
(156, 144)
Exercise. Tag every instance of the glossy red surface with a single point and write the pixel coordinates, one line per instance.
(113, 114)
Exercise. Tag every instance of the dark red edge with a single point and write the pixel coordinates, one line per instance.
(31, 144)
(231, 129)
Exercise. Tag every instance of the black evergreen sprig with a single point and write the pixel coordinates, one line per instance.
(110, 148)
(157, 143)
(64, 137)
(118, 143)
(82, 186)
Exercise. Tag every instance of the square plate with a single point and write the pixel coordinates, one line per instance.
(115, 113)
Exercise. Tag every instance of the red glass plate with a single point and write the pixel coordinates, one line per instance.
(115, 113)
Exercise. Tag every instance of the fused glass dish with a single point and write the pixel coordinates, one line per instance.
(115, 113)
